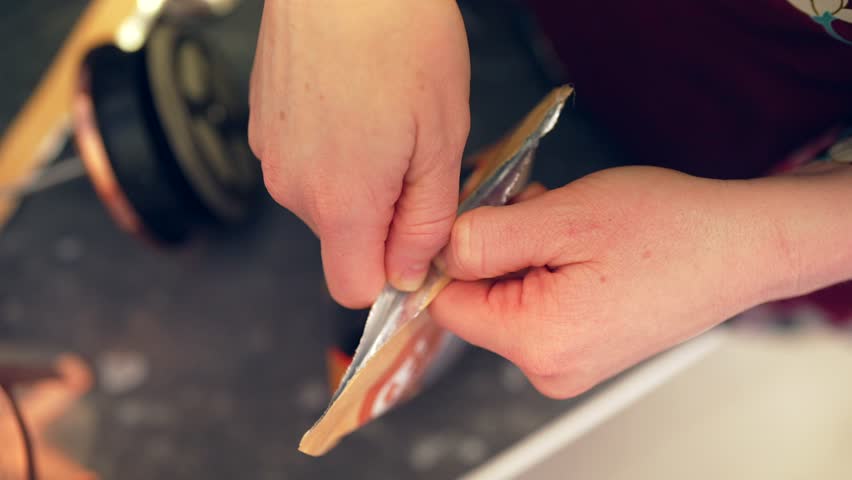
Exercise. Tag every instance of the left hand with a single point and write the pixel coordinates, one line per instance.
(614, 268)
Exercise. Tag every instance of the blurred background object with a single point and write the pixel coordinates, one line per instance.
(161, 132)
(35, 395)
(39, 130)
(155, 116)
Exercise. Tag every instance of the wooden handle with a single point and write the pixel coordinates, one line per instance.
(40, 127)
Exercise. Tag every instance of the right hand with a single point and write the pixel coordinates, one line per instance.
(359, 115)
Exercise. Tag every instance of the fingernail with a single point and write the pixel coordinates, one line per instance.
(412, 277)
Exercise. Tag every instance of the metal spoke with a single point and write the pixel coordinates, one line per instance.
(52, 175)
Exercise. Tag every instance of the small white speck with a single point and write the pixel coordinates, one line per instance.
(472, 451)
(68, 249)
(313, 396)
(427, 452)
(121, 371)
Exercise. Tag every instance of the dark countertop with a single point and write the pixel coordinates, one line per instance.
(226, 336)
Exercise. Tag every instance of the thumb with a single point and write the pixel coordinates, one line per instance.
(490, 242)
(422, 222)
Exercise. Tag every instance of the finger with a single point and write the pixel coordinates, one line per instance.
(500, 315)
(423, 218)
(545, 231)
(505, 316)
(352, 227)
(466, 309)
(514, 319)
(533, 190)
(353, 256)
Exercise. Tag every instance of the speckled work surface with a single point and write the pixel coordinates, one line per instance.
(210, 359)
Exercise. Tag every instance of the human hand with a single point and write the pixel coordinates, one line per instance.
(359, 115)
(614, 268)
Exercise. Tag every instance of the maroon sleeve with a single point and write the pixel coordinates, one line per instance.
(721, 88)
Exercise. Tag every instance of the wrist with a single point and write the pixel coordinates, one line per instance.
(744, 246)
(803, 225)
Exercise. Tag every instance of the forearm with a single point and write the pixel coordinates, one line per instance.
(805, 222)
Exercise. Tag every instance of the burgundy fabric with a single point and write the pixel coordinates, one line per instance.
(719, 88)
(835, 302)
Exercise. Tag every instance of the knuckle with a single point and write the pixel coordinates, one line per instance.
(461, 131)
(563, 388)
(430, 234)
(275, 184)
(327, 215)
(330, 207)
(538, 358)
(439, 152)
(255, 138)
